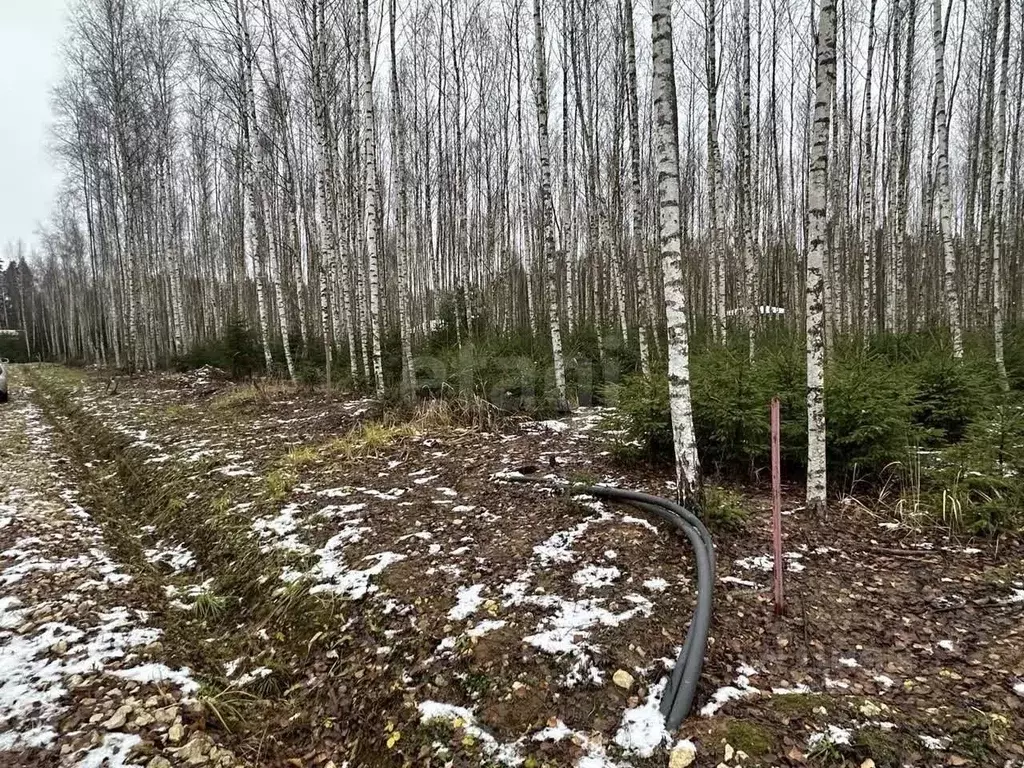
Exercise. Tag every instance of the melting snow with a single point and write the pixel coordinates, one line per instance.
(466, 602)
(933, 743)
(739, 582)
(178, 557)
(767, 563)
(574, 619)
(553, 425)
(800, 688)
(337, 510)
(832, 735)
(507, 754)
(112, 752)
(740, 688)
(159, 673)
(353, 584)
(643, 727)
(488, 625)
(596, 576)
(254, 674)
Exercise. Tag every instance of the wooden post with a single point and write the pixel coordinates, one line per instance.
(780, 602)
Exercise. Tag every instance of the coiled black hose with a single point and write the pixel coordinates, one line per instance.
(682, 686)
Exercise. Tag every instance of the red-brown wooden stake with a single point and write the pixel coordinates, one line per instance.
(780, 601)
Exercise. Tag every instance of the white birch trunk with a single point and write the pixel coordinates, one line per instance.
(949, 280)
(688, 482)
(868, 189)
(636, 198)
(398, 148)
(999, 169)
(370, 163)
(282, 314)
(817, 226)
(547, 209)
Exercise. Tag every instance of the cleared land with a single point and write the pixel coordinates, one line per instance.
(296, 579)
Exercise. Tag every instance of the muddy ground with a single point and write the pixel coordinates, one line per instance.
(308, 580)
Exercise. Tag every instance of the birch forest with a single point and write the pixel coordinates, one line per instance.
(517, 384)
(354, 184)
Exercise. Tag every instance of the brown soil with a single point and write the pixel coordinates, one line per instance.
(909, 642)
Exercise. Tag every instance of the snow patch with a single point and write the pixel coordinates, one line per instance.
(884, 680)
(656, 585)
(488, 625)
(351, 583)
(596, 576)
(833, 734)
(643, 727)
(741, 688)
(460, 717)
(112, 752)
(767, 562)
(933, 743)
(467, 601)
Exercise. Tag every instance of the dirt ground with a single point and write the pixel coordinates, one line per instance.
(347, 586)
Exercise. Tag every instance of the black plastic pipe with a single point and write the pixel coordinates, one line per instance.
(681, 689)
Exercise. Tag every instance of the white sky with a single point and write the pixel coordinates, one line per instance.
(30, 34)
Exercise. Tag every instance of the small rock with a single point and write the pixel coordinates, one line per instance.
(143, 719)
(154, 649)
(159, 762)
(870, 709)
(728, 752)
(175, 733)
(868, 763)
(623, 679)
(166, 715)
(682, 754)
(194, 753)
(152, 702)
(117, 720)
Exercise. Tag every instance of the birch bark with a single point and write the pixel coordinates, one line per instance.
(370, 165)
(547, 210)
(817, 225)
(949, 279)
(666, 121)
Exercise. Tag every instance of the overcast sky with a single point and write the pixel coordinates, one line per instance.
(30, 34)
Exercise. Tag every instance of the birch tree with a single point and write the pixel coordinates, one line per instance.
(817, 224)
(949, 277)
(666, 121)
(997, 225)
(547, 206)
